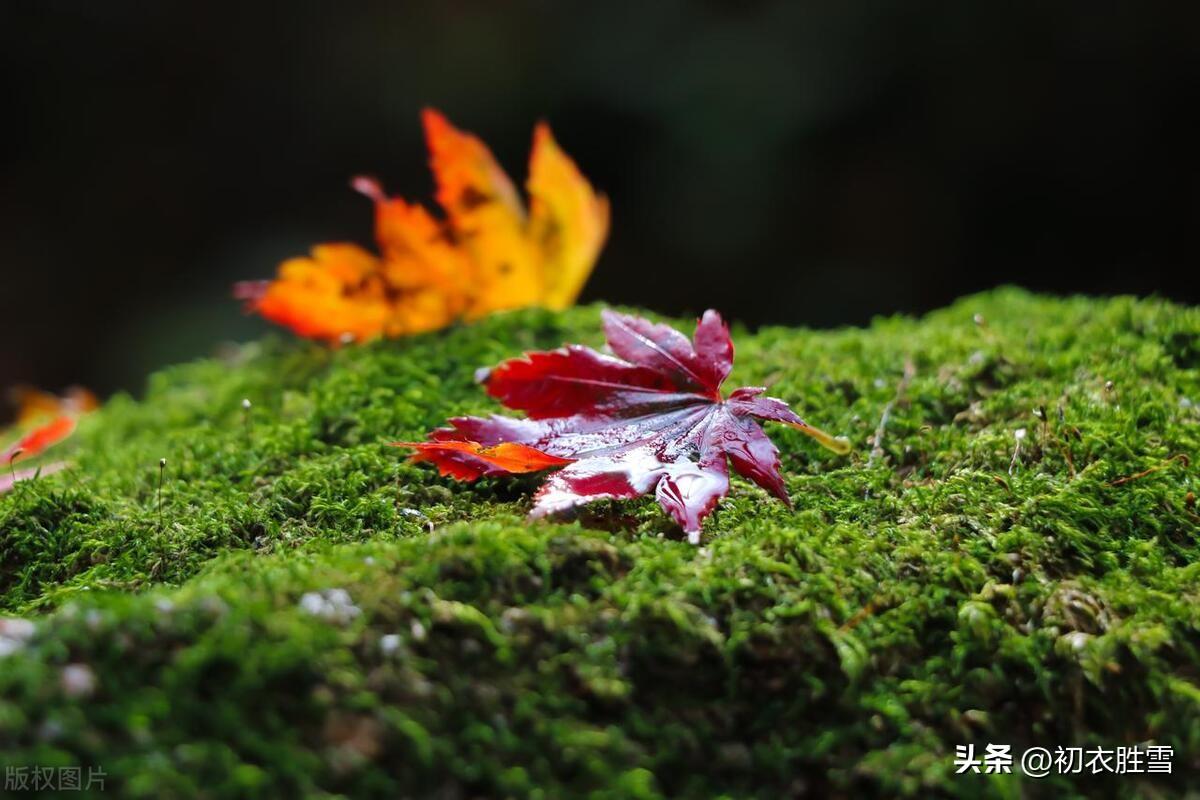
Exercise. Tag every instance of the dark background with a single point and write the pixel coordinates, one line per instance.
(799, 163)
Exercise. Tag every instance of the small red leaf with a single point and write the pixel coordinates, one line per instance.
(649, 420)
(40, 438)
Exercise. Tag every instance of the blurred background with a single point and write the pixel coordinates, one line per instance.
(787, 162)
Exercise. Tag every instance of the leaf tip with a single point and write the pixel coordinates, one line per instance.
(368, 187)
(435, 123)
(250, 292)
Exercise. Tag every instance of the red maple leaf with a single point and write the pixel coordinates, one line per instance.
(649, 418)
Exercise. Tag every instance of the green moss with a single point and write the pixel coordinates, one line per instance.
(954, 582)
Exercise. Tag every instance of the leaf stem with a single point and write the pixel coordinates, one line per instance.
(838, 444)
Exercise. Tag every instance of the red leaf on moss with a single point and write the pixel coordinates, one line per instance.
(40, 439)
(44, 420)
(650, 418)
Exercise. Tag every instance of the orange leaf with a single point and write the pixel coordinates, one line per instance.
(34, 405)
(486, 215)
(568, 222)
(334, 295)
(486, 255)
(469, 460)
(40, 438)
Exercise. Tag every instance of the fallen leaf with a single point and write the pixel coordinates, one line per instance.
(34, 405)
(486, 255)
(43, 420)
(649, 418)
(38, 440)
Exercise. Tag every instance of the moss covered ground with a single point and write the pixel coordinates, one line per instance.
(1010, 555)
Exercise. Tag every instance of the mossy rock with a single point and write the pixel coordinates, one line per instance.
(1010, 555)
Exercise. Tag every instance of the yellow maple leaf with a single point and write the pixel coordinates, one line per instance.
(487, 254)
